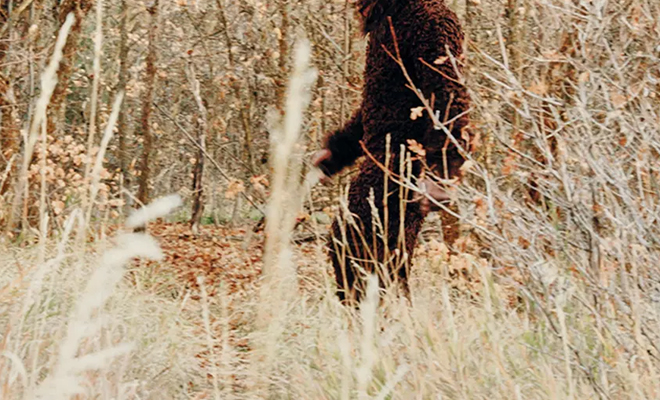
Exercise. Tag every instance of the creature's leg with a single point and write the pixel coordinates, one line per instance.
(354, 249)
(344, 250)
(413, 225)
(351, 243)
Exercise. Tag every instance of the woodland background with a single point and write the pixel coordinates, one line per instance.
(551, 291)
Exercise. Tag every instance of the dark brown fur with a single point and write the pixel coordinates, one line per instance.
(424, 29)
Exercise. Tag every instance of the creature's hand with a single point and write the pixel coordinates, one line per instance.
(320, 160)
(430, 190)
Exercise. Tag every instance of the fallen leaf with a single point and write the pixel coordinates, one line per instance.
(618, 100)
(539, 88)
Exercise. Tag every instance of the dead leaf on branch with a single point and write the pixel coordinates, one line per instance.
(416, 148)
(467, 166)
(416, 112)
(234, 188)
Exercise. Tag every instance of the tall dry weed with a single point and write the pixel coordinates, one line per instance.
(279, 274)
(48, 82)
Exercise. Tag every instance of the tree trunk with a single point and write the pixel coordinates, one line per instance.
(513, 41)
(284, 55)
(471, 14)
(147, 99)
(244, 109)
(344, 109)
(121, 87)
(198, 188)
(80, 8)
(513, 50)
(9, 129)
(198, 171)
(9, 135)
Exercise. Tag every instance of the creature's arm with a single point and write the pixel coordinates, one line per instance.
(342, 147)
(439, 78)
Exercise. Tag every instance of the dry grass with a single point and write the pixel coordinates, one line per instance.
(555, 297)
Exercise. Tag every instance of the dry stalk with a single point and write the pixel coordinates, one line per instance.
(279, 274)
(48, 82)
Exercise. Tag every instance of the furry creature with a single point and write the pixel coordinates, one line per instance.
(425, 31)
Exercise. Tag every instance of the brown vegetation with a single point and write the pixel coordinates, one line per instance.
(549, 291)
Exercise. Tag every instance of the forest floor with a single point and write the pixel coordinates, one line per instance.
(194, 322)
(231, 257)
(227, 261)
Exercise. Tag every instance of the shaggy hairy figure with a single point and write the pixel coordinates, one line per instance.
(425, 30)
